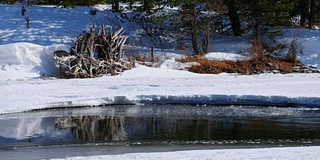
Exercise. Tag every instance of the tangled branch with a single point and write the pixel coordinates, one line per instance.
(94, 54)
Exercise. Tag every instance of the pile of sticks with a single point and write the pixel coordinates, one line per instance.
(94, 54)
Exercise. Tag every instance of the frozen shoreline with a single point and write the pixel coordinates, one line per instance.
(285, 153)
(293, 90)
(159, 153)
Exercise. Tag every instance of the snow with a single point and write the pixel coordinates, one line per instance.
(157, 85)
(220, 56)
(173, 64)
(26, 82)
(19, 57)
(310, 153)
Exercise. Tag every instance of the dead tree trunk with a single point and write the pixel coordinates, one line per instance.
(94, 54)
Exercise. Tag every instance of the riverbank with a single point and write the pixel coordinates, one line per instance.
(144, 85)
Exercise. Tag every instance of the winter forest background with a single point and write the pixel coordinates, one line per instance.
(191, 26)
(197, 20)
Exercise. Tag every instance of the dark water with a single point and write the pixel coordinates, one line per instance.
(166, 127)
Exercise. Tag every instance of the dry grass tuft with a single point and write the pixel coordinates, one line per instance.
(242, 67)
(285, 67)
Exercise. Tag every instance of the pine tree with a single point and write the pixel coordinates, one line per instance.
(265, 14)
(265, 20)
(307, 11)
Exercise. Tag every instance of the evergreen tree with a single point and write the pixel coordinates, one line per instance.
(148, 5)
(197, 20)
(265, 14)
(264, 20)
(308, 11)
(8, 1)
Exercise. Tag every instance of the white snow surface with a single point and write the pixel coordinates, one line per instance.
(22, 88)
(26, 83)
(295, 153)
(221, 56)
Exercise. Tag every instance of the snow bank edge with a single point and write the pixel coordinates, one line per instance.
(280, 101)
(249, 100)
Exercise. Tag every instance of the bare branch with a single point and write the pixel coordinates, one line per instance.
(82, 63)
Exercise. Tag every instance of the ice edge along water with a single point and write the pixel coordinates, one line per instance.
(279, 101)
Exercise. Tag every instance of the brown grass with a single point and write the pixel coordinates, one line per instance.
(285, 67)
(242, 67)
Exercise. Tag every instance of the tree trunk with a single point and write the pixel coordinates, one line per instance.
(195, 43)
(234, 17)
(256, 29)
(303, 13)
(147, 6)
(115, 6)
(206, 40)
(130, 4)
(205, 43)
(312, 14)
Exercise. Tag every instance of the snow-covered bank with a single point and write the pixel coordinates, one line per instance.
(295, 153)
(152, 85)
(23, 89)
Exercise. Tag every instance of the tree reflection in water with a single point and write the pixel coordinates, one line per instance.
(163, 124)
(122, 128)
(94, 128)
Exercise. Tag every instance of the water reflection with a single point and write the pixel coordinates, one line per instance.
(93, 128)
(158, 124)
